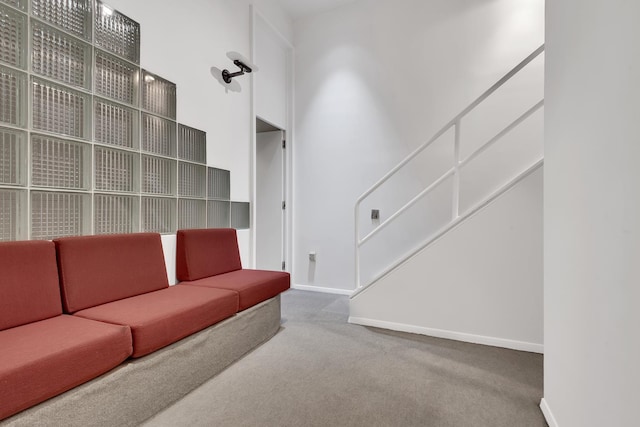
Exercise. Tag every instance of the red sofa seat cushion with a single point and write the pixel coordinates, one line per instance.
(96, 270)
(252, 286)
(29, 289)
(163, 317)
(48, 357)
(206, 252)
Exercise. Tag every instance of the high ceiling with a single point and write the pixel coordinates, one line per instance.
(303, 8)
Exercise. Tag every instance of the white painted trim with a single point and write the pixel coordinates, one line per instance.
(289, 131)
(320, 289)
(276, 31)
(451, 335)
(548, 415)
(252, 142)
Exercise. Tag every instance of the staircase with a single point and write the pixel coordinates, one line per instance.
(489, 159)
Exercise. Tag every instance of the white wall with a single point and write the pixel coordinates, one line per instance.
(273, 103)
(592, 214)
(374, 79)
(481, 282)
(273, 80)
(180, 42)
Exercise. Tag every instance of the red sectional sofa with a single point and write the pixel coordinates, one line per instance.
(43, 351)
(210, 258)
(122, 279)
(75, 308)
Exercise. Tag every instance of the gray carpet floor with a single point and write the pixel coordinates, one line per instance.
(321, 371)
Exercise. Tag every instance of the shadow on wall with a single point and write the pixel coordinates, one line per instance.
(311, 275)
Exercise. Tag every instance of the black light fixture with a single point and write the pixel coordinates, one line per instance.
(245, 67)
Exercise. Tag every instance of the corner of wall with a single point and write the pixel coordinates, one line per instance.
(548, 415)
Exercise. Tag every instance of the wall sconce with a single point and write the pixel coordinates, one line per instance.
(225, 77)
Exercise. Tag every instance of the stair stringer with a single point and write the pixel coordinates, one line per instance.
(480, 282)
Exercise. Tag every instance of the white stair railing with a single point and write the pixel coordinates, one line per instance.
(454, 172)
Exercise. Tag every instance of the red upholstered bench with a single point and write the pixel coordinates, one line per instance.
(121, 279)
(42, 351)
(210, 258)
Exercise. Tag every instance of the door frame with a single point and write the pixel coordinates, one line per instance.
(282, 195)
(289, 133)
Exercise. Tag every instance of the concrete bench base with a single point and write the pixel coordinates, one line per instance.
(140, 388)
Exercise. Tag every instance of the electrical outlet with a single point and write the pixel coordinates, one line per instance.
(375, 214)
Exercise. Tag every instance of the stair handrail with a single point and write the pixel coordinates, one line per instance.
(455, 123)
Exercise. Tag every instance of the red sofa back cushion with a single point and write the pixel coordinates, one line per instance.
(96, 270)
(29, 289)
(206, 252)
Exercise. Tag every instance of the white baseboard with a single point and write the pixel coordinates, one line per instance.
(322, 290)
(458, 336)
(548, 415)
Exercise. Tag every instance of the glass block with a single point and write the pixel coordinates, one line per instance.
(61, 110)
(60, 57)
(158, 215)
(240, 215)
(117, 33)
(192, 144)
(13, 37)
(13, 97)
(56, 215)
(192, 180)
(13, 157)
(218, 184)
(113, 214)
(116, 79)
(192, 213)
(73, 16)
(115, 124)
(18, 4)
(158, 175)
(218, 214)
(158, 135)
(116, 170)
(13, 213)
(158, 95)
(59, 163)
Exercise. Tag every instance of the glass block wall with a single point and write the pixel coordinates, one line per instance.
(89, 142)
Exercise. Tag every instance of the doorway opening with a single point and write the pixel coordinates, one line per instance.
(271, 204)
